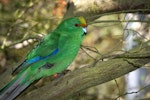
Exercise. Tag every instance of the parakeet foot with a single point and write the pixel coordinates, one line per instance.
(60, 74)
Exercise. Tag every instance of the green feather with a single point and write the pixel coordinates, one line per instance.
(67, 38)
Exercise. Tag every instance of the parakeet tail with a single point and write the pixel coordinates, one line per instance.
(13, 88)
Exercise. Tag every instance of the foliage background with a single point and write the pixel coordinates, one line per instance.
(24, 22)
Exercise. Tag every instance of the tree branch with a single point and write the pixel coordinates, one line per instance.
(104, 71)
(96, 8)
(83, 78)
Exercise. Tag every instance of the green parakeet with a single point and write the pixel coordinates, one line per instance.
(53, 55)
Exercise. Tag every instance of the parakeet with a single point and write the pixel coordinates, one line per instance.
(53, 55)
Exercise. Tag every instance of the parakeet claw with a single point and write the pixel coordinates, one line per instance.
(61, 74)
(54, 54)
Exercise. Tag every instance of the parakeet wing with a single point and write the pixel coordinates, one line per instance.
(49, 43)
(53, 55)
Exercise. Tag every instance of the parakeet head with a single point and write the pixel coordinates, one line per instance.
(74, 24)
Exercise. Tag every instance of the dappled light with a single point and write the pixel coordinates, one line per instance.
(106, 48)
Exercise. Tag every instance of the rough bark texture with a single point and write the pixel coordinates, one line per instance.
(92, 9)
(86, 77)
(103, 71)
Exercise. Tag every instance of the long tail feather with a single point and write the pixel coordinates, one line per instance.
(13, 88)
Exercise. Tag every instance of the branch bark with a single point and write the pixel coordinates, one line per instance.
(104, 71)
(92, 9)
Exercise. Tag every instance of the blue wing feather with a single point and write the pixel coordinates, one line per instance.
(38, 58)
(26, 63)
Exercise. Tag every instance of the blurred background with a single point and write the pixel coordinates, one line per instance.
(24, 22)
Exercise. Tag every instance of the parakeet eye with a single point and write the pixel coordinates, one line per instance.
(76, 25)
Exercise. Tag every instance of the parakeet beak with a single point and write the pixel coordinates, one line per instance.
(85, 30)
(83, 24)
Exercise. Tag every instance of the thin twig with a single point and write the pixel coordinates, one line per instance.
(132, 92)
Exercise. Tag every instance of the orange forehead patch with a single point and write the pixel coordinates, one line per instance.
(83, 22)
